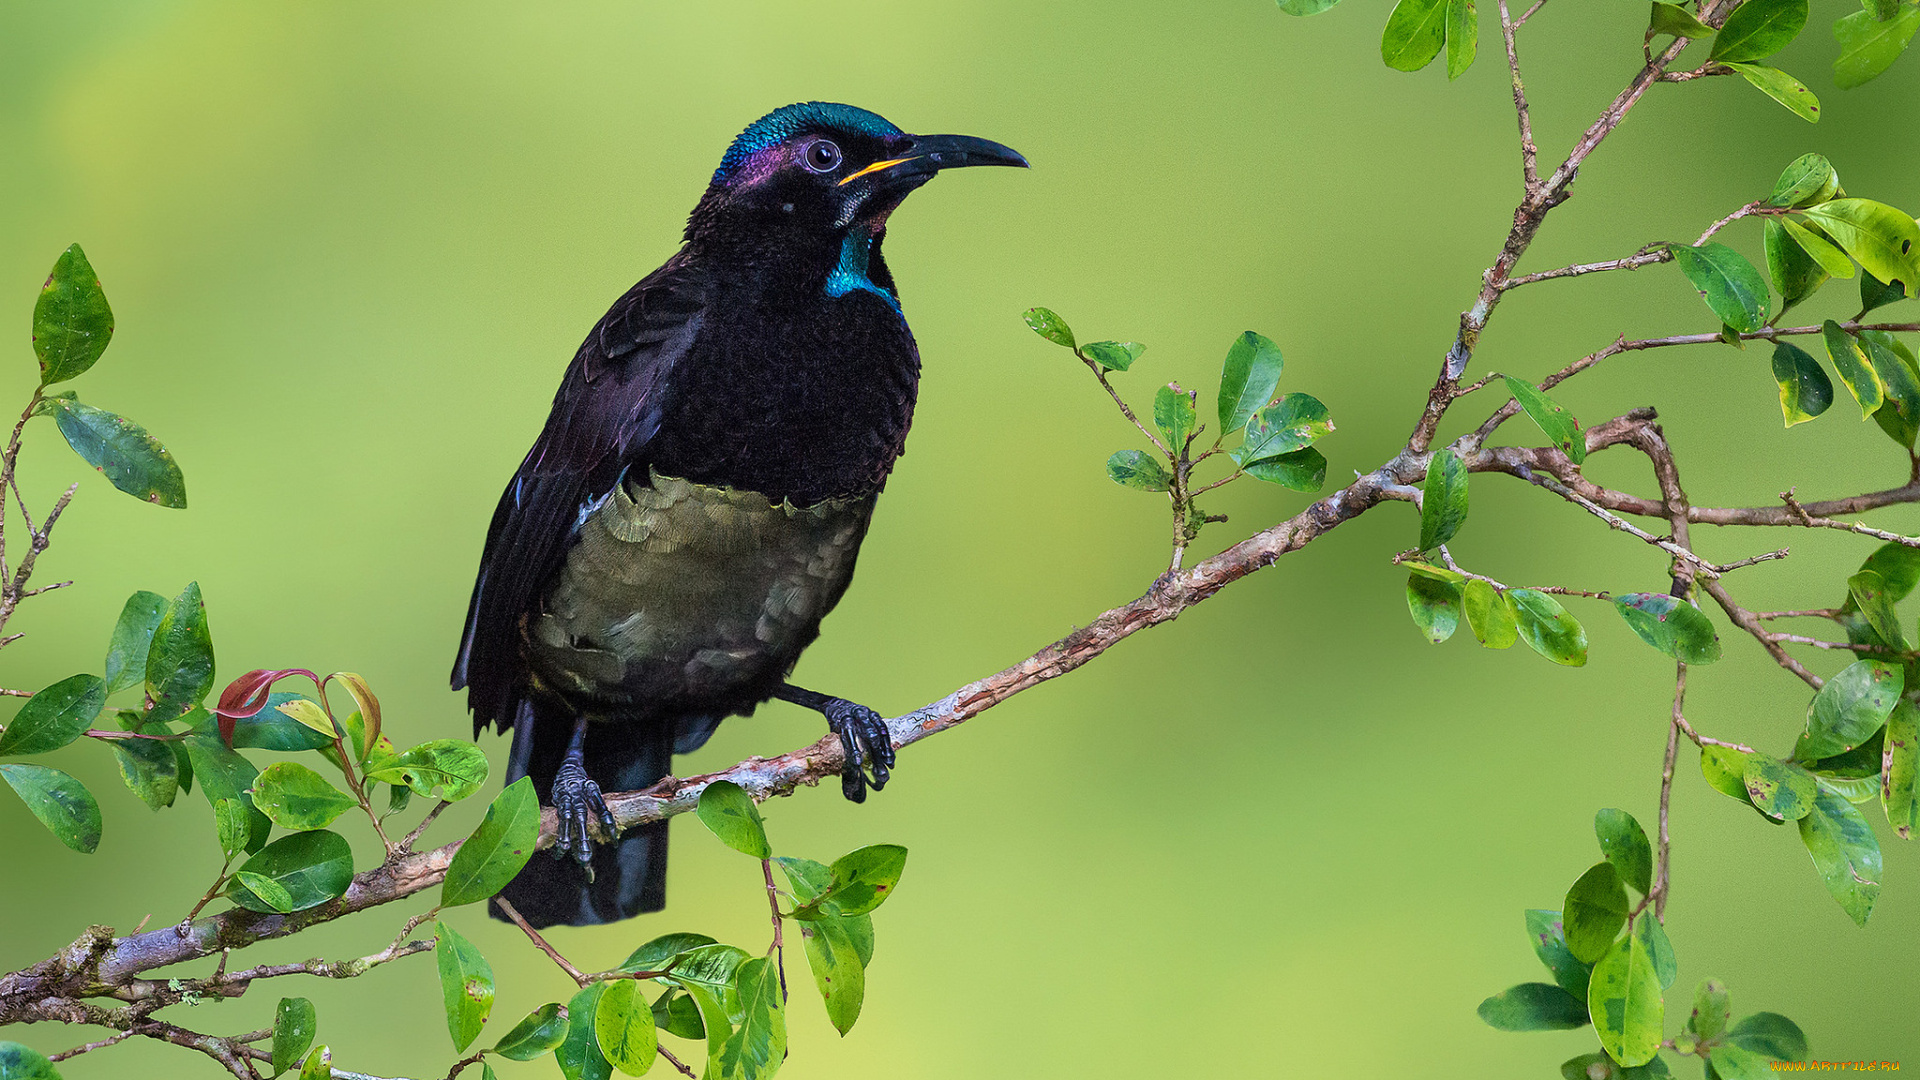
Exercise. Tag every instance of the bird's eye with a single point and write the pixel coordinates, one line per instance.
(822, 156)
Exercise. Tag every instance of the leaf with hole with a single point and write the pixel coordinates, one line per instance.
(1880, 238)
(454, 766)
(1671, 625)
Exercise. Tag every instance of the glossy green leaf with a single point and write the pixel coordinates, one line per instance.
(1711, 1010)
(1726, 770)
(466, 984)
(1671, 625)
(1855, 370)
(859, 881)
(809, 879)
(1598, 1066)
(1113, 355)
(1174, 415)
(455, 766)
(1869, 46)
(542, 1030)
(63, 804)
(498, 848)
(55, 716)
(759, 1042)
(1248, 378)
(1882, 9)
(150, 769)
(71, 320)
(19, 1062)
(1547, 628)
(1415, 32)
(1306, 7)
(1302, 470)
(1443, 503)
(1875, 293)
(1756, 29)
(132, 634)
(1894, 363)
(1880, 238)
(1771, 1034)
(274, 726)
(1436, 573)
(1624, 1001)
(1293, 423)
(1731, 1062)
(675, 1013)
(623, 1028)
(1898, 566)
(1796, 273)
(1489, 615)
(1550, 945)
(578, 1055)
(1783, 791)
(1534, 1007)
(1817, 247)
(1595, 910)
(1805, 390)
(1855, 790)
(1049, 326)
(1624, 843)
(266, 890)
(1850, 708)
(1674, 20)
(121, 450)
(1875, 603)
(1731, 286)
(1902, 771)
(313, 867)
(1810, 179)
(730, 813)
(1845, 852)
(1138, 469)
(294, 1025)
(1558, 424)
(1863, 760)
(1783, 88)
(318, 1064)
(1652, 937)
(659, 952)
(226, 775)
(233, 825)
(1435, 606)
(837, 970)
(298, 798)
(180, 659)
(1463, 36)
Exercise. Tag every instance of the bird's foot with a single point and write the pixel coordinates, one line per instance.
(868, 745)
(576, 801)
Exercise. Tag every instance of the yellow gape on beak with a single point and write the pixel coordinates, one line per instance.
(875, 167)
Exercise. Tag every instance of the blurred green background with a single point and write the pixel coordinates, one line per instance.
(351, 246)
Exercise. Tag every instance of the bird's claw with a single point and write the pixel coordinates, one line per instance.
(867, 743)
(576, 801)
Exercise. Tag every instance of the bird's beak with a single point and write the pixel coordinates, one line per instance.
(930, 153)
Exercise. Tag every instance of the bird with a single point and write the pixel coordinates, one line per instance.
(694, 505)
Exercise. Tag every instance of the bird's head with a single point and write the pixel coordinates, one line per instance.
(828, 168)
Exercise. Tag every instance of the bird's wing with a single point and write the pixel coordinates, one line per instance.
(606, 410)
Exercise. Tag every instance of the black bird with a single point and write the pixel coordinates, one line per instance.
(694, 505)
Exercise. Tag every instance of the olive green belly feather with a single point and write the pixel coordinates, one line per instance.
(678, 593)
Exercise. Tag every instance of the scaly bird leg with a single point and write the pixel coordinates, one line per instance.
(575, 796)
(863, 734)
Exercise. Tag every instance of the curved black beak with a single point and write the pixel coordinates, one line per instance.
(928, 154)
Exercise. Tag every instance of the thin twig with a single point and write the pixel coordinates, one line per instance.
(103, 1043)
(579, 977)
(1529, 154)
(773, 905)
(412, 838)
(673, 1061)
(1660, 879)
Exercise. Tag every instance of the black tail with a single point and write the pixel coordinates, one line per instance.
(630, 876)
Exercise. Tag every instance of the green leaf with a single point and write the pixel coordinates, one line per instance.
(19, 1062)
(1898, 566)
(1443, 504)
(1302, 470)
(55, 716)
(1547, 628)
(298, 798)
(1711, 1010)
(1899, 415)
(1796, 273)
(1782, 88)
(1174, 415)
(266, 890)
(1534, 1007)
(233, 824)
(709, 968)
(809, 879)
(1435, 606)
(133, 460)
(1810, 179)
(1726, 770)
(1856, 371)
(1671, 625)
(759, 1043)
(498, 848)
(318, 1065)
(1869, 46)
(294, 1025)
(1306, 7)
(1248, 378)
(859, 881)
(656, 954)
(1463, 37)
(63, 804)
(226, 775)
(1624, 1000)
(579, 1053)
(1771, 1034)
(1653, 938)
(1558, 424)
(1415, 32)
(543, 1029)
(132, 634)
(274, 726)
(1756, 29)
(150, 768)
(1869, 592)
(1805, 390)
(1436, 573)
(1049, 326)
(455, 766)
(837, 970)
(729, 812)
(1882, 9)
(1875, 293)
(1902, 769)
(1594, 912)
(1831, 259)
(1550, 945)
(1113, 355)
(623, 1028)
(1624, 843)
(1781, 790)
(313, 867)
(1138, 469)
(466, 984)
(1489, 615)
(1861, 761)
(1850, 708)
(1731, 286)
(1288, 425)
(180, 660)
(71, 321)
(1674, 20)
(1880, 238)
(1845, 852)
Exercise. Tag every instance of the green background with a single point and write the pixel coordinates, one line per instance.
(350, 247)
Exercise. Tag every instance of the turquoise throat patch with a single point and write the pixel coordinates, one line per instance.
(851, 274)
